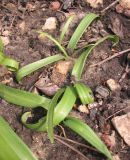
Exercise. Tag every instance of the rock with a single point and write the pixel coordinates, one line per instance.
(60, 72)
(67, 4)
(50, 24)
(6, 33)
(113, 85)
(117, 26)
(55, 5)
(122, 125)
(125, 4)
(5, 40)
(22, 27)
(83, 109)
(102, 91)
(95, 3)
(48, 89)
(116, 157)
(92, 105)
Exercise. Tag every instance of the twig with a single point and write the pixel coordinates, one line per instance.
(74, 142)
(63, 131)
(111, 57)
(127, 69)
(117, 113)
(111, 5)
(71, 147)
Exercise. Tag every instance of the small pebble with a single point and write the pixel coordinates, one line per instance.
(50, 24)
(83, 109)
(102, 91)
(113, 85)
(55, 5)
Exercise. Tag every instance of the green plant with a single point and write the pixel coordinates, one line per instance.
(10, 63)
(11, 146)
(62, 103)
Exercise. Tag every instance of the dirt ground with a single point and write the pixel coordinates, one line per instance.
(25, 47)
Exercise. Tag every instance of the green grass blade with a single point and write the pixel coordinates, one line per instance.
(86, 21)
(22, 98)
(88, 134)
(1, 45)
(50, 114)
(65, 28)
(30, 68)
(61, 111)
(11, 146)
(55, 41)
(85, 93)
(80, 62)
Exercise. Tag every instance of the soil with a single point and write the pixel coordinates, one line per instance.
(25, 47)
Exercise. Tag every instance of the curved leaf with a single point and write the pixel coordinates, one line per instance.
(86, 21)
(88, 134)
(26, 70)
(50, 114)
(65, 28)
(85, 93)
(23, 98)
(55, 41)
(80, 62)
(61, 111)
(11, 146)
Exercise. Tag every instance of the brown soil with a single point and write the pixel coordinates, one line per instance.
(26, 48)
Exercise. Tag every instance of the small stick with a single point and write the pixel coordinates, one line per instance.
(117, 113)
(111, 5)
(111, 57)
(80, 144)
(71, 147)
(127, 69)
(63, 131)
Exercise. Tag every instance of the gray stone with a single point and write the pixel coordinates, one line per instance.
(122, 125)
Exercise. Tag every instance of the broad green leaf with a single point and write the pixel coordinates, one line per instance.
(61, 111)
(65, 28)
(50, 114)
(88, 134)
(22, 98)
(86, 21)
(55, 41)
(80, 62)
(30, 68)
(11, 146)
(85, 93)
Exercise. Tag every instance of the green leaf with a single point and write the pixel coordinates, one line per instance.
(1, 45)
(86, 21)
(80, 62)
(55, 41)
(26, 70)
(85, 93)
(23, 98)
(10, 63)
(50, 114)
(11, 146)
(61, 111)
(88, 134)
(65, 28)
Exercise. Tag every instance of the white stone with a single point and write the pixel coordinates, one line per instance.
(122, 125)
(94, 3)
(50, 24)
(5, 40)
(113, 85)
(83, 109)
